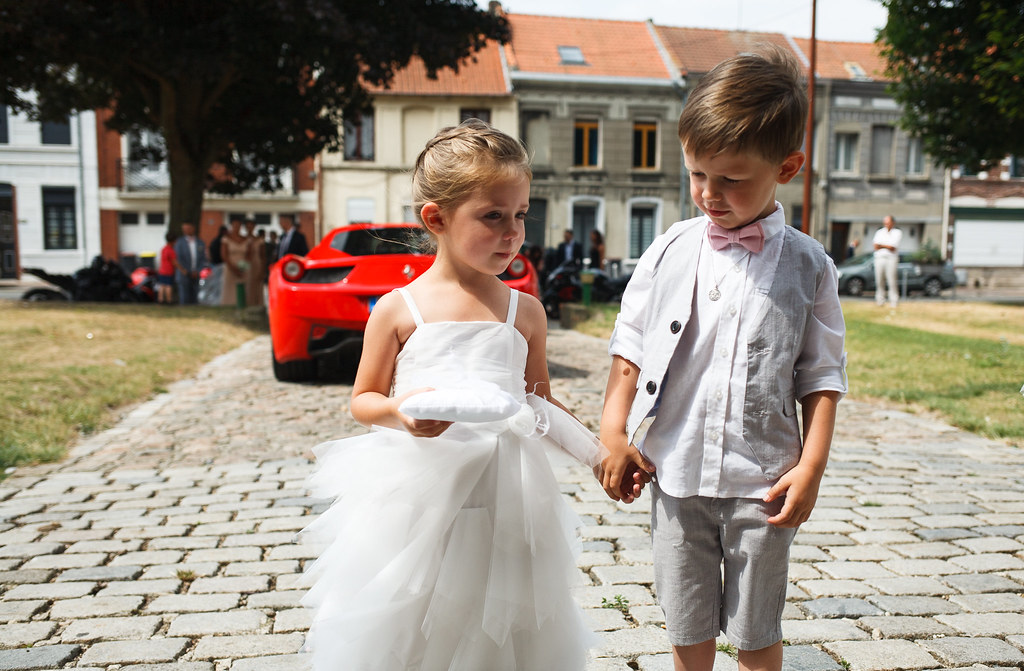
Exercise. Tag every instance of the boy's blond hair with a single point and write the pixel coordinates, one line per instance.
(752, 102)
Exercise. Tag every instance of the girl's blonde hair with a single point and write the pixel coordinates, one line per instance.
(461, 159)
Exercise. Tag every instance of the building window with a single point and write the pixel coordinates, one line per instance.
(59, 218)
(570, 55)
(359, 138)
(155, 219)
(1017, 166)
(915, 156)
(535, 129)
(585, 138)
(128, 218)
(641, 230)
(645, 144)
(881, 149)
(482, 113)
(846, 152)
(56, 132)
(3, 125)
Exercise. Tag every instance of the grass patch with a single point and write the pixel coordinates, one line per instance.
(69, 367)
(964, 361)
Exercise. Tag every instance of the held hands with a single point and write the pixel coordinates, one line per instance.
(423, 428)
(624, 473)
(799, 486)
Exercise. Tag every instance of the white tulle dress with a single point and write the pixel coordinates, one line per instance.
(456, 552)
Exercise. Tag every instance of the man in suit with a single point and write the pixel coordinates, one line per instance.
(191, 258)
(293, 241)
(569, 249)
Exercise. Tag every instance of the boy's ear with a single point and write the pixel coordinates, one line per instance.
(790, 167)
(431, 216)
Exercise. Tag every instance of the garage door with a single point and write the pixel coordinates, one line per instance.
(978, 242)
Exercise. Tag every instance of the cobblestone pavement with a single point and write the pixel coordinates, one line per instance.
(167, 542)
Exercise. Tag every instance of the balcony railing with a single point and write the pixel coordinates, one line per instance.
(143, 176)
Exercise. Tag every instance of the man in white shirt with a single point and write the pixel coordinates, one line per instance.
(887, 243)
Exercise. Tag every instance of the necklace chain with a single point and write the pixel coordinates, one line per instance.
(715, 294)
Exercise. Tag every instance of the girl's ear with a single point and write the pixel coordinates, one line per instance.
(432, 217)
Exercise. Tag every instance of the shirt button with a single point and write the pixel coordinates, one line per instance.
(718, 395)
(714, 435)
(732, 310)
(723, 352)
(651, 387)
(675, 326)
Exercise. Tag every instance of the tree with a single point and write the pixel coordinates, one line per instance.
(253, 85)
(957, 68)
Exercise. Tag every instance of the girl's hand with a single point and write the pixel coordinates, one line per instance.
(423, 428)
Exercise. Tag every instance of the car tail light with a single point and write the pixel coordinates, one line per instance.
(293, 270)
(517, 268)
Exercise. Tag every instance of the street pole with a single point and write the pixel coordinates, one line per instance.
(805, 224)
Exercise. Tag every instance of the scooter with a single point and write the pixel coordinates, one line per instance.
(564, 286)
(102, 281)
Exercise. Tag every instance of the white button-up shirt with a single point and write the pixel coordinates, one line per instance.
(696, 440)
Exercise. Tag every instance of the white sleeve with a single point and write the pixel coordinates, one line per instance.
(822, 363)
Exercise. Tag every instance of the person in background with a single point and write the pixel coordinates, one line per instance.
(569, 250)
(190, 252)
(165, 271)
(256, 256)
(233, 250)
(292, 241)
(596, 250)
(215, 258)
(852, 250)
(887, 257)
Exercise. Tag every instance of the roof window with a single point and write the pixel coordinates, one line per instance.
(571, 55)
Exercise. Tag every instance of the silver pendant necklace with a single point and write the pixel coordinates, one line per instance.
(715, 294)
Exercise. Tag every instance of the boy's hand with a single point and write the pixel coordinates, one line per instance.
(799, 485)
(624, 472)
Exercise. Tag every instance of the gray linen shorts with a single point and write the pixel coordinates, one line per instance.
(720, 567)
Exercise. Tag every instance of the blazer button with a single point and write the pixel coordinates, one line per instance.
(651, 387)
(675, 326)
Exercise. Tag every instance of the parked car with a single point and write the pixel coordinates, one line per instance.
(319, 303)
(857, 275)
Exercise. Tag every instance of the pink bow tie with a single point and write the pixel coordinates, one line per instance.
(750, 236)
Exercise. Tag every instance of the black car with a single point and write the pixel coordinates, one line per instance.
(857, 275)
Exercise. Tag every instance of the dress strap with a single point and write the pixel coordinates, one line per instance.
(513, 303)
(417, 317)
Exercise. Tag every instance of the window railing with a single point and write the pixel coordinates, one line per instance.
(142, 176)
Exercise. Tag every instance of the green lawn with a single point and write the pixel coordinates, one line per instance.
(68, 368)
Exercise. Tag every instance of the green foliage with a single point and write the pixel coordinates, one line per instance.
(928, 253)
(253, 85)
(618, 602)
(957, 68)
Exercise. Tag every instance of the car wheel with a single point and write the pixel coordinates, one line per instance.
(301, 370)
(855, 286)
(932, 286)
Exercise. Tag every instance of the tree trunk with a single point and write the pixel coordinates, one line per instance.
(187, 184)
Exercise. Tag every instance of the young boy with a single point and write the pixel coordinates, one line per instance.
(729, 318)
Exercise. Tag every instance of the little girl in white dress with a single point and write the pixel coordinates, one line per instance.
(449, 545)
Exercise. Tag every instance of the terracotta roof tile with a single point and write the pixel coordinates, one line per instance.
(478, 75)
(697, 50)
(609, 48)
(840, 60)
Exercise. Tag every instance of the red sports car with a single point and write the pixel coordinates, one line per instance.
(319, 303)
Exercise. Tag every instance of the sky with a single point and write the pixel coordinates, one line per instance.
(838, 20)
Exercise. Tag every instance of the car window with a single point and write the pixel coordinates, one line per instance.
(372, 241)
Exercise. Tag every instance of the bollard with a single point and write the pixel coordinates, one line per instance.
(240, 295)
(587, 280)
